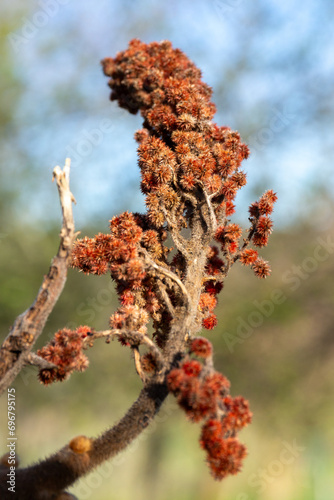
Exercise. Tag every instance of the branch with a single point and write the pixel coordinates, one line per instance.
(29, 325)
(178, 240)
(138, 366)
(251, 232)
(138, 337)
(167, 273)
(33, 359)
(212, 215)
(48, 479)
(161, 290)
(246, 240)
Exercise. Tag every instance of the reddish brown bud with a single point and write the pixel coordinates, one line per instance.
(261, 268)
(210, 322)
(201, 347)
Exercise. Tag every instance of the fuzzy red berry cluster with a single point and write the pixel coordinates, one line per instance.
(170, 264)
(203, 394)
(65, 352)
(183, 157)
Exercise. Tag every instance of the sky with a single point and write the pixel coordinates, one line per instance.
(270, 64)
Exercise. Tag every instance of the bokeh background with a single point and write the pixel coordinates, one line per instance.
(271, 66)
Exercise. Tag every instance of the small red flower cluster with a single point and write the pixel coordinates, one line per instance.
(130, 318)
(203, 394)
(232, 249)
(65, 351)
(118, 252)
(201, 347)
(262, 224)
(229, 237)
(190, 176)
(224, 455)
(206, 305)
(197, 393)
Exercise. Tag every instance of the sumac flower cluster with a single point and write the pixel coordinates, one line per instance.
(170, 263)
(64, 351)
(203, 394)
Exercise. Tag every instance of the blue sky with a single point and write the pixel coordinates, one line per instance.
(270, 64)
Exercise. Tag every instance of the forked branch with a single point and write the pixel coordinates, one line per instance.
(16, 348)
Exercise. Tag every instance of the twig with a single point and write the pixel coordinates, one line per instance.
(251, 232)
(167, 273)
(193, 200)
(178, 240)
(29, 325)
(213, 220)
(246, 240)
(33, 359)
(102, 334)
(165, 297)
(142, 339)
(138, 366)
